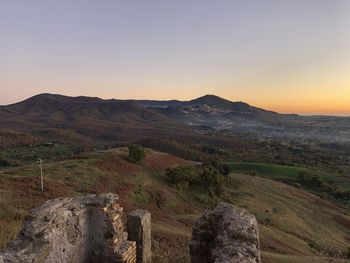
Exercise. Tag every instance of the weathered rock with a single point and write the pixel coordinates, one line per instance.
(80, 229)
(225, 235)
(139, 230)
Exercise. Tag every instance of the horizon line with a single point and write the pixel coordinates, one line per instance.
(308, 113)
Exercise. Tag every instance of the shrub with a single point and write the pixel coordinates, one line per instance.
(181, 176)
(310, 180)
(211, 180)
(203, 178)
(223, 169)
(136, 153)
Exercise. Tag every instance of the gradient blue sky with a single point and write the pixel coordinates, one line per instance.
(284, 55)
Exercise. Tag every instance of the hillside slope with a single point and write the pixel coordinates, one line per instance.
(94, 118)
(295, 226)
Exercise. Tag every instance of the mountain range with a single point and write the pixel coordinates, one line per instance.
(94, 119)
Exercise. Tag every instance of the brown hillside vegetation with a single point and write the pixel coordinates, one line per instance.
(295, 226)
(11, 139)
(94, 118)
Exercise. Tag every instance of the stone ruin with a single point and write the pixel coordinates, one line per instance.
(90, 229)
(225, 235)
(139, 229)
(81, 229)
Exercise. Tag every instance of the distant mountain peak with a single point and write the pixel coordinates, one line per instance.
(210, 99)
(210, 96)
(215, 102)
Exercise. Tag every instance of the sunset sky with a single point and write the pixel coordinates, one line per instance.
(283, 55)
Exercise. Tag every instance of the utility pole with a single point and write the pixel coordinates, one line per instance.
(41, 174)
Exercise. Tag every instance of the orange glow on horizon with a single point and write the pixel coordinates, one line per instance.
(307, 110)
(306, 107)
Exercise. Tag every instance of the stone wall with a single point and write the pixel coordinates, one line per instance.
(90, 229)
(139, 230)
(80, 229)
(225, 235)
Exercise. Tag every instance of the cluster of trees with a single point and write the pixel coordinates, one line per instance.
(314, 181)
(206, 178)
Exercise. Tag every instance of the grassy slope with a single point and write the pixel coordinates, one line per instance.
(288, 173)
(291, 221)
(294, 226)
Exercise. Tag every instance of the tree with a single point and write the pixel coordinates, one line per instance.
(136, 153)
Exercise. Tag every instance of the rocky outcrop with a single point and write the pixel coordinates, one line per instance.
(225, 235)
(80, 229)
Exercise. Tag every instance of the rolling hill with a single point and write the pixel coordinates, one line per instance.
(86, 118)
(294, 225)
(117, 121)
(228, 117)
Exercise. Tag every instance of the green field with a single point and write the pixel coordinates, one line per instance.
(289, 174)
(271, 171)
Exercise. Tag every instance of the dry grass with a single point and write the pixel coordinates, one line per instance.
(294, 225)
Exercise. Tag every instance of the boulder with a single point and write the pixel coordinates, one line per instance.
(225, 234)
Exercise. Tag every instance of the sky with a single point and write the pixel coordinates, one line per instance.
(282, 55)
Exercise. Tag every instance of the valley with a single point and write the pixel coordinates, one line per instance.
(298, 187)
